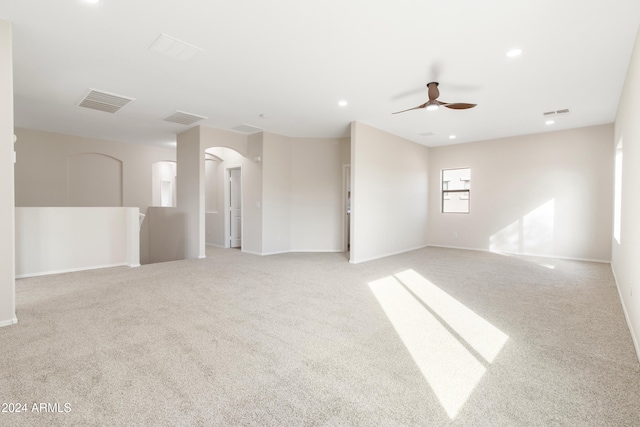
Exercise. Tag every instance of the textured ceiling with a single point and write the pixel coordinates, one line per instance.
(293, 61)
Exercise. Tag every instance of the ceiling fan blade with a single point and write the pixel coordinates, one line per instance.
(414, 108)
(458, 105)
(408, 93)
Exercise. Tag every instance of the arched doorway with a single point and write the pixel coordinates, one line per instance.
(223, 197)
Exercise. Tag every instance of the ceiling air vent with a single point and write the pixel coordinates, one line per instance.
(183, 118)
(427, 134)
(174, 48)
(244, 128)
(104, 101)
(556, 112)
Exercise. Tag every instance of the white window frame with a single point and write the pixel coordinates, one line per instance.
(455, 190)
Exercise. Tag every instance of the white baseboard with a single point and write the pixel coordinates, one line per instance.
(522, 254)
(634, 336)
(299, 251)
(273, 253)
(316, 251)
(69, 270)
(459, 247)
(215, 246)
(251, 252)
(9, 322)
(384, 255)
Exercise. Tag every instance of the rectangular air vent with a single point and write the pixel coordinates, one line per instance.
(174, 48)
(183, 118)
(244, 128)
(556, 112)
(427, 134)
(104, 101)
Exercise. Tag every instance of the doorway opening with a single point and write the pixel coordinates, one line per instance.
(346, 218)
(223, 197)
(234, 236)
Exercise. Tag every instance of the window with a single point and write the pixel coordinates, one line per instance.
(456, 189)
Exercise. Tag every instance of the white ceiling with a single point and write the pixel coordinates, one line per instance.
(293, 60)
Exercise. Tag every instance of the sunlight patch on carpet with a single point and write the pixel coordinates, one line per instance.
(485, 338)
(442, 356)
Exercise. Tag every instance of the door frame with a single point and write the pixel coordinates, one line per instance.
(346, 219)
(227, 206)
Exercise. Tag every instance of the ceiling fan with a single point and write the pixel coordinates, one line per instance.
(434, 104)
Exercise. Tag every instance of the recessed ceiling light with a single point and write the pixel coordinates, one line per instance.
(452, 137)
(92, 1)
(549, 122)
(342, 103)
(264, 116)
(514, 52)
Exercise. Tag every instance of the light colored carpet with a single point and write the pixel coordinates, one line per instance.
(310, 340)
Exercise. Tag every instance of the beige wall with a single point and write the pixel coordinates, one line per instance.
(276, 196)
(252, 187)
(303, 200)
(94, 179)
(389, 201)
(316, 194)
(626, 254)
(545, 194)
(214, 201)
(167, 238)
(190, 197)
(50, 173)
(7, 215)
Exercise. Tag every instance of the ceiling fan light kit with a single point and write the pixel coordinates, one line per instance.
(434, 104)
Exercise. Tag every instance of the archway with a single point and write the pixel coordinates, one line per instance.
(223, 197)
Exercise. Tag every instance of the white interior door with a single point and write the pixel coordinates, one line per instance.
(347, 209)
(235, 208)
